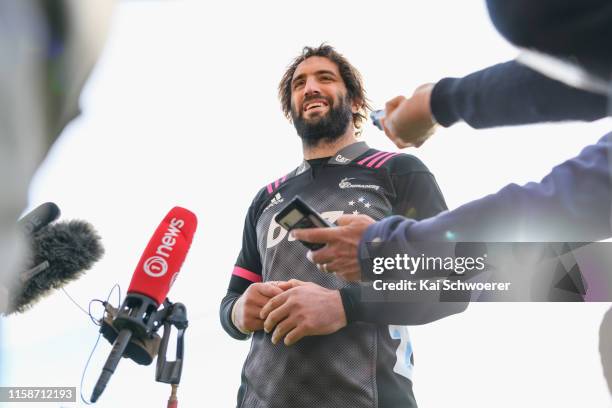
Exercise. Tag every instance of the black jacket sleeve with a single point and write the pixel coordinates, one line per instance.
(247, 270)
(402, 313)
(417, 196)
(225, 313)
(511, 94)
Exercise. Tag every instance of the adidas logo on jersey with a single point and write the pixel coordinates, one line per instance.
(277, 199)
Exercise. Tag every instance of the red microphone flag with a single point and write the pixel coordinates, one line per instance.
(162, 259)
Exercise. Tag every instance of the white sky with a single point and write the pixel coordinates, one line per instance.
(182, 110)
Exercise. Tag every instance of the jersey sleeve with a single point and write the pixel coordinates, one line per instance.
(247, 270)
(417, 194)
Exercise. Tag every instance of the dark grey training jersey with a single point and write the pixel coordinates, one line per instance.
(365, 364)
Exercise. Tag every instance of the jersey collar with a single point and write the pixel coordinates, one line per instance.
(342, 157)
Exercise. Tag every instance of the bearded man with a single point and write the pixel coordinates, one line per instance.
(314, 342)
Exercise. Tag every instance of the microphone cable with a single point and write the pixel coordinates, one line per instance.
(75, 302)
(97, 323)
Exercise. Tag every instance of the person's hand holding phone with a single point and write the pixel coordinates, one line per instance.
(409, 122)
(340, 253)
(298, 214)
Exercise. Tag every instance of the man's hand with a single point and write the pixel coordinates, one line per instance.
(306, 309)
(409, 122)
(340, 254)
(245, 314)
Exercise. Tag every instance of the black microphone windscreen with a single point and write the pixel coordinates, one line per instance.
(39, 217)
(70, 248)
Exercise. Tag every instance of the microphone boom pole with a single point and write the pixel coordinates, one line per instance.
(112, 361)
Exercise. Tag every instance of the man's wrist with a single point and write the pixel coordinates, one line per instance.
(427, 89)
(233, 319)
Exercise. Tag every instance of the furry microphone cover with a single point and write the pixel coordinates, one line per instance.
(70, 248)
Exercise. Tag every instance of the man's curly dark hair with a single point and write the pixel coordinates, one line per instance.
(351, 77)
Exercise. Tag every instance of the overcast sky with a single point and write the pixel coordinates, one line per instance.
(182, 110)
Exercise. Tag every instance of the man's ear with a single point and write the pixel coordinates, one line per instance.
(356, 105)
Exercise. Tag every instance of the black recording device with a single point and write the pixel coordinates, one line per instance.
(298, 214)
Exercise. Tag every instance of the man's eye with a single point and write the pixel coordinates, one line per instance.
(297, 84)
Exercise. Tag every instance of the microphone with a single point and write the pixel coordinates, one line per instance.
(155, 273)
(59, 253)
(38, 218)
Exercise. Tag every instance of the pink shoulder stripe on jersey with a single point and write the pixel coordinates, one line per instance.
(276, 184)
(381, 157)
(385, 159)
(246, 274)
(371, 157)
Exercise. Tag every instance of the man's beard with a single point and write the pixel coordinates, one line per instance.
(328, 127)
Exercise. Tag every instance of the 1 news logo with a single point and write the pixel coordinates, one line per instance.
(157, 265)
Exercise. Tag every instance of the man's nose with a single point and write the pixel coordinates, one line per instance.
(311, 87)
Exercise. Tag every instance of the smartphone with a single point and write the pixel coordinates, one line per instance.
(376, 116)
(298, 214)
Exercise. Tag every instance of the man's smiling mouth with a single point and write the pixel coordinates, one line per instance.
(318, 103)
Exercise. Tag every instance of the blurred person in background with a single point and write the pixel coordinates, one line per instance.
(48, 48)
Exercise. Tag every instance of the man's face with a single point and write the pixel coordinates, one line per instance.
(320, 108)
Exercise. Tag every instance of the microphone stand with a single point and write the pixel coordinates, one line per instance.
(169, 372)
(138, 320)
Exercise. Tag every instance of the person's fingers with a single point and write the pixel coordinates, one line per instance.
(386, 129)
(389, 132)
(284, 285)
(269, 289)
(292, 283)
(400, 143)
(316, 235)
(257, 300)
(420, 142)
(253, 324)
(348, 271)
(297, 282)
(282, 328)
(272, 304)
(275, 316)
(321, 256)
(391, 135)
(346, 219)
(295, 335)
(338, 266)
(392, 104)
(425, 88)
(389, 121)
